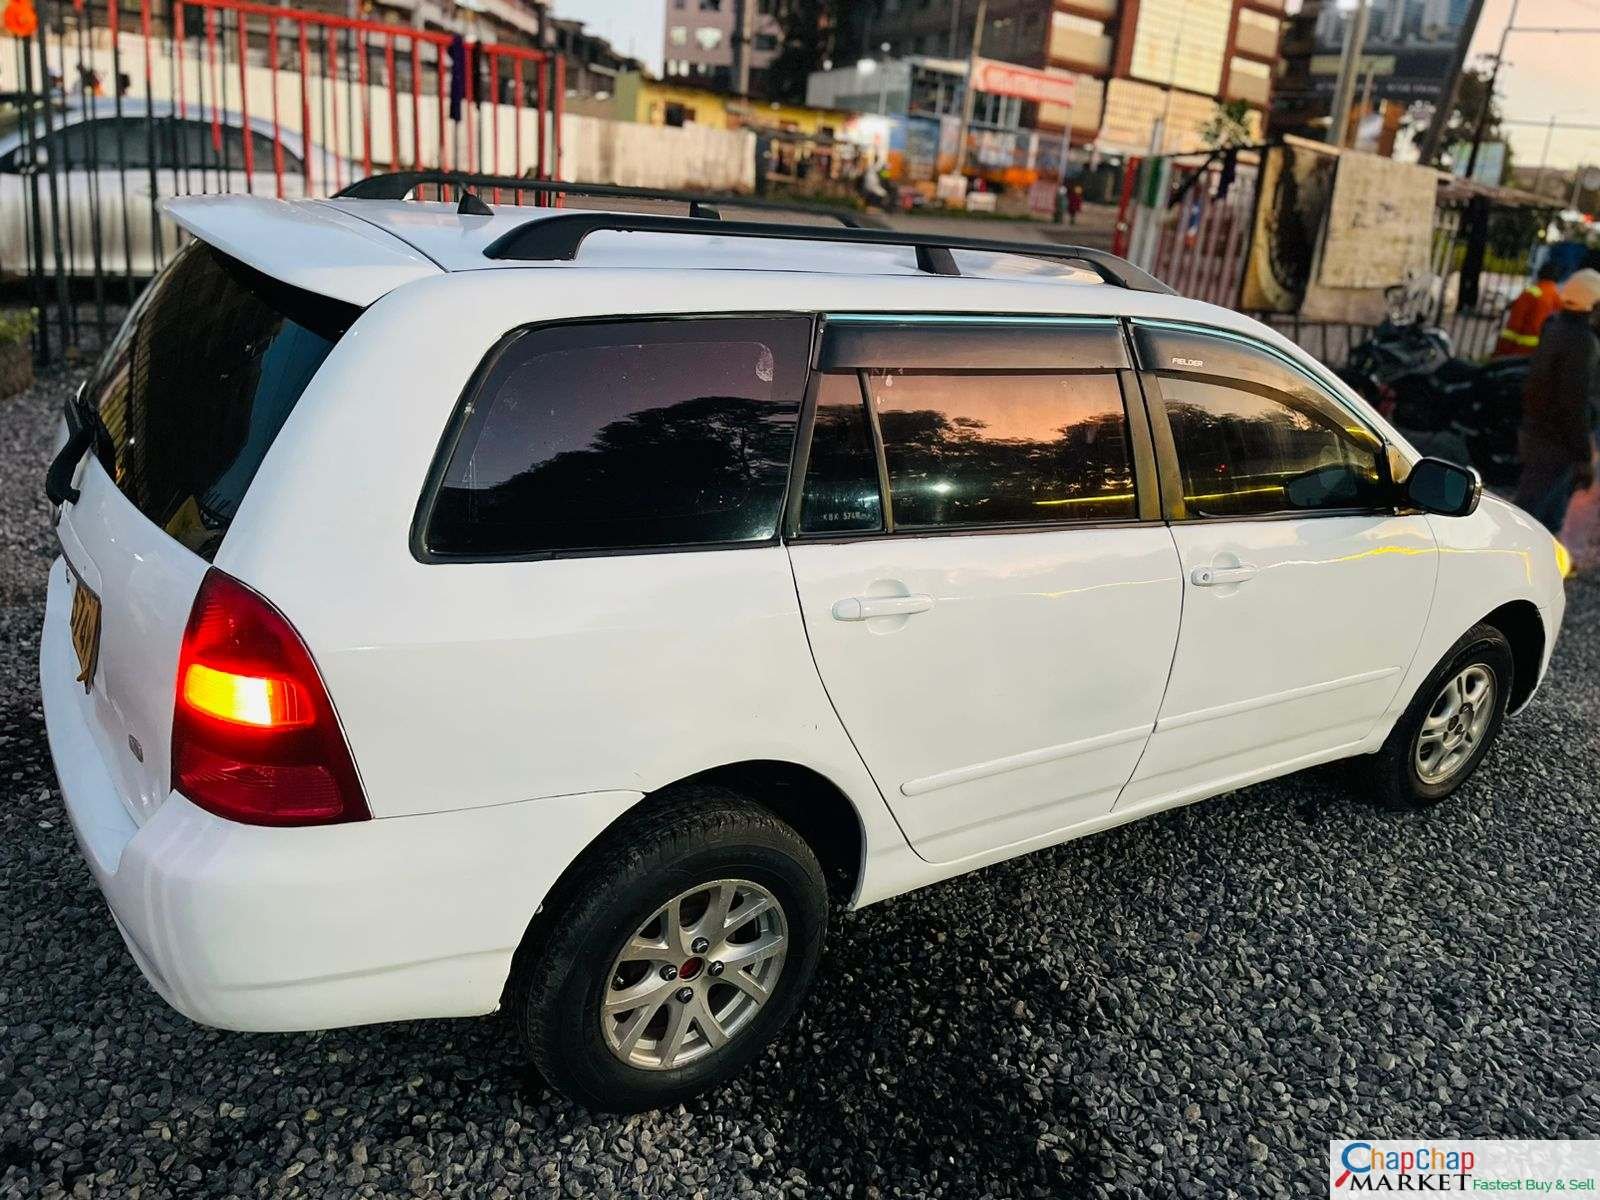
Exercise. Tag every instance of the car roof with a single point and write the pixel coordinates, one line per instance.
(359, 250)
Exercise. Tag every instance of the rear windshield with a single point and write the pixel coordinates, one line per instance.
(199, 381)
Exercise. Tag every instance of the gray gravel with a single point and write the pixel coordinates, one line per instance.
(1188, 1006)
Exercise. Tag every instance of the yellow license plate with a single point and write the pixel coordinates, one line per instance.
(85, 631)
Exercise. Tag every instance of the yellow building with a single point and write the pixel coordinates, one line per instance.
(653, 102)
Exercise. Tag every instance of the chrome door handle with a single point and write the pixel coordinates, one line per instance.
(1221, 576)
(865, 608)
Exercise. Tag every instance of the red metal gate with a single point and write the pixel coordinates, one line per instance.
(121, 104)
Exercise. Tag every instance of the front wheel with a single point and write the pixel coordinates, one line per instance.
(684, 944)
(1456, 715)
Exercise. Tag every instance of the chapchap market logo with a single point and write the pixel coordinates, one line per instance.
(1363, 1167)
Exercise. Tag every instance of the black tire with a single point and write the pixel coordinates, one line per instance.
(696, 837)
(1393, 772)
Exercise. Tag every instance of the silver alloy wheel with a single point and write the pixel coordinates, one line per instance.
(1455, 724)
(694, 975)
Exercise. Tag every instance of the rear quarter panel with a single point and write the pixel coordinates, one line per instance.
(463, 685)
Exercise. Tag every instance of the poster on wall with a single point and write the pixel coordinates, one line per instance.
(1296, 182)
(1380, 223)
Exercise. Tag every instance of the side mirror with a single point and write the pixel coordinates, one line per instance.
(1446, 488)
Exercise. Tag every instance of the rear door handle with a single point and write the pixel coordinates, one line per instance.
(1221, 576)
(865, 608)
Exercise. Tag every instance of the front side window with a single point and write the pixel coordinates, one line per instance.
(974, 449)
(626, 434)
(1254, 436)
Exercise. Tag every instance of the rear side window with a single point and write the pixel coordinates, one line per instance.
(626, 435)
(199, 381)
(1003, 449)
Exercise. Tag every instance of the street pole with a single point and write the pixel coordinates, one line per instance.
(1488, 96)
(744, 19)
(1158, 135)
(1544, 156)
(969, 92)
(1355, 43)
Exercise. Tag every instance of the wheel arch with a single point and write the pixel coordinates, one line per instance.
(814, 805)
(1523, 627)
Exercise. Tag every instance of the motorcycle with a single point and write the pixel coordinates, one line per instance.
(1480, 404)
(1403, 345)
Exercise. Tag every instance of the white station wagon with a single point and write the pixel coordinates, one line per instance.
(557, 611)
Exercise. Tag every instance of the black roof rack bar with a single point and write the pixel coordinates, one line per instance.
(397, 185)
(558, 237)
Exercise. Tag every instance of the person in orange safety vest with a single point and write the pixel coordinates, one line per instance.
(1528, 314)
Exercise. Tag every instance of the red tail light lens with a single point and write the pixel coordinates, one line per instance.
(254, 735)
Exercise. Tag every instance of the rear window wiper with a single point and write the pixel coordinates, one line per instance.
(85, 429)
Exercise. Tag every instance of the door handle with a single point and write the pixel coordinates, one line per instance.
(1222, 576)
(865, 608)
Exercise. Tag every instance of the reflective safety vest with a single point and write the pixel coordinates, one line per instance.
(1527, 317)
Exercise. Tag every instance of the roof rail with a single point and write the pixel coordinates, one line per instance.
(559, 236)
(397, 185)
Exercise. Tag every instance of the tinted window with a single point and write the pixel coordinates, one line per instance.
(1247, 452)
(1254, 435)
(841, 492)
(987, 449)
(627, 434)
(198, 383)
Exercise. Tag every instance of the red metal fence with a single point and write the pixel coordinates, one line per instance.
(123, 104)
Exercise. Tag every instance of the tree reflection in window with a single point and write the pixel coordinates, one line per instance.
(992, 449)
(637, 434)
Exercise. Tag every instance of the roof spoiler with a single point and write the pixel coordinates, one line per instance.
(559, 236)
(398, 185)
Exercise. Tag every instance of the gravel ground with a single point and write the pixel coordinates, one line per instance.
(1189, 1006)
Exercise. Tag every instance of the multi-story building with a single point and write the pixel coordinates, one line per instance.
(703, 41)
(592, 63)
(1138, 61)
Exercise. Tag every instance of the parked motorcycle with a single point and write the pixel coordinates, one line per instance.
(1478, 403)
(1403, 345)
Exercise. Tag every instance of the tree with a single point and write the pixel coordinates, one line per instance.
(1229, 125)
(809, 27)
(1464, 112)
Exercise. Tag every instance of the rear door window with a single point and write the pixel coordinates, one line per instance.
(619, 435)
(841, 492)
(1003, 449)
(199, 381)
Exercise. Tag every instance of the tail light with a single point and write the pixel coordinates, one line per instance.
(254, 735)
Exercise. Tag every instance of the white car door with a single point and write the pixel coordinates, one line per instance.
(996, 637)
(1305, 592)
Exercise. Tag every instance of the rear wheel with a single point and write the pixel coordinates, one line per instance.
(682, 946)
(1438, 743)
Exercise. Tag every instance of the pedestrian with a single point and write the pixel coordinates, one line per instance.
(1558, 401)
(1074, 203)
(1528, 313)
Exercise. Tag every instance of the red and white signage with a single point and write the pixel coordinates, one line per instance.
(1027, 83)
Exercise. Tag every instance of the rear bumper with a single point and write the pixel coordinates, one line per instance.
(250, 928)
